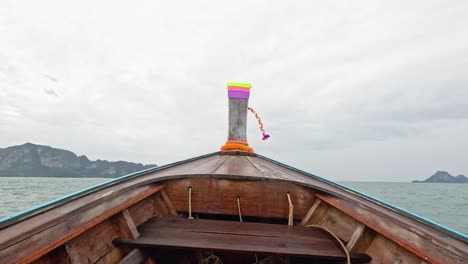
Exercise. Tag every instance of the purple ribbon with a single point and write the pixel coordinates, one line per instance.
(238, 94)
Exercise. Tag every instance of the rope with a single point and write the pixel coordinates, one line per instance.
(211, 259)
(190, 202)
(238, 207)
(260, 124)
(291, 208)
(348, 258)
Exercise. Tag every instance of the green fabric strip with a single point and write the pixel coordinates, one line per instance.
(246, 85)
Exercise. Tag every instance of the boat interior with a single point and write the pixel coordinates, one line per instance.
(224, 207)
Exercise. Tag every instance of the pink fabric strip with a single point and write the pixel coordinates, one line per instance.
(238, 88)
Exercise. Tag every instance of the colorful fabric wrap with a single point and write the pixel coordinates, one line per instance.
(236, 146)
(239, 90)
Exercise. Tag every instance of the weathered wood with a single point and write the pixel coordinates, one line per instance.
(384, 250)
(230, 227)
(134, 257)
(238, 119)
(341, 224)
(168, 204)
(319, 214)
(357, 234)
(238, 237)
(142, 211)
(124, 225)
(364, 241)
(41, 243)
(259, 198)
(93, 244)
(396, 232)
(306, 218)
(72, 253)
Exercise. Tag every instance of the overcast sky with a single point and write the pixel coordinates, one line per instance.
(349, 90)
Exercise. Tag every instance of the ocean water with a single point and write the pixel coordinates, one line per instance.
(446, 204)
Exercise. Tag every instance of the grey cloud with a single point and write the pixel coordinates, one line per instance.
(146, 82)
(50, 91)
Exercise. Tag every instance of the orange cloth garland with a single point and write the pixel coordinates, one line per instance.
(235, 146)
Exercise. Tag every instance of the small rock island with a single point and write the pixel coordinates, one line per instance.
(444, 177)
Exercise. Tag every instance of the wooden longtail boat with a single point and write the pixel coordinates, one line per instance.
(232, 206)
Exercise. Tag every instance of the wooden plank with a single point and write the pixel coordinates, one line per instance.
(142, 211)
(124, 225)
(72, 253)
(319, 214)
(357, 234)
(384, 250)
(136, 256)
(237, 119)
(39, 244)
(364, 240)
(306, 218)
(341, 224)
(237, 243)
(396, 232)
(207, 234)
(168, 203)
(230, 227)
(93, 244)
(238, 165)
(259, 198)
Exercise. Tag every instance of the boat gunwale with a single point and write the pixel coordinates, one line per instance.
(44, 207)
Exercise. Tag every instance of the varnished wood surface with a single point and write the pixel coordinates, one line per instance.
(240, 237)
(420, 244)
(257, 198)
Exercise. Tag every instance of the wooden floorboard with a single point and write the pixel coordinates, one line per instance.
(230, 236)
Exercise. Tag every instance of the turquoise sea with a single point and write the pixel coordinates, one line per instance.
(446, 204)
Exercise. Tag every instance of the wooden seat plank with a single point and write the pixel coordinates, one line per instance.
(230, 236)
(229, 227)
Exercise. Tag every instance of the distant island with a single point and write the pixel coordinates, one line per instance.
(445, 177)
(30, 160)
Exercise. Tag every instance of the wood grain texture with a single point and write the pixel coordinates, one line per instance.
(167, 202)
(342, 225)
(238, 237)
(94, 243)
(142, 211)
(259, 198)
(124, 225)
(384, 250)
(305, 220)
(43, 242)
(238, 119)
(400, 234)
(356, 236)
(72, 253)
(364, 240)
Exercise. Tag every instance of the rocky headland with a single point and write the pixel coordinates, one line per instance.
(445, 177)
(30, 160)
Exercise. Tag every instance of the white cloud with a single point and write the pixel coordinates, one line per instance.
(145, 81)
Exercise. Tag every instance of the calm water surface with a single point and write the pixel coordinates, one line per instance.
(443, 203)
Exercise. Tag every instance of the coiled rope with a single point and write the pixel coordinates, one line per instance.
(260, 124)
(348, 258)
